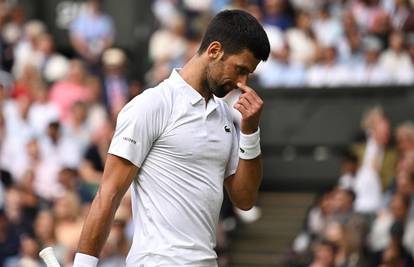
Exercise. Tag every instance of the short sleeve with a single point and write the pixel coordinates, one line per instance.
(138, 126)
(234, 155)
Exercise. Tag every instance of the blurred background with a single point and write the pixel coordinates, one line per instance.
(337, 130)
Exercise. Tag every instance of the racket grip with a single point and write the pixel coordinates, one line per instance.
(49, 257)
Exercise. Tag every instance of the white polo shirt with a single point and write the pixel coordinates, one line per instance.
(184, 149)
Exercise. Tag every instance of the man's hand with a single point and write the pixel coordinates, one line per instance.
(250, 106)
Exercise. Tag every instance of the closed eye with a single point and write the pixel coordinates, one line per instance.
(242, 70)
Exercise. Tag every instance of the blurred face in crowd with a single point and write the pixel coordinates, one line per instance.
(382, 132)
(330, 55)
(44, 226)
(29, 247)
(95, 5)
(95, 89)
(326, 203)
(324, 255)
(13, 204)
(405, 183)
(45, 44)
(274, 7)
(342, 201)
(53, 131)
(405, 139)
(33, 149)
(334, 232)
(67, 207)
(371, 57)
(396, 41)
(225, 71)
(79, 112)
(304, 21)
(399, 208)
(76, 71)
(255, 11)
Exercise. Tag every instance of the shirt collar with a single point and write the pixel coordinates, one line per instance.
(178, 82)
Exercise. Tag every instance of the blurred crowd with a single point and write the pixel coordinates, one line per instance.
(57, 116)
(321, 43)
(367, 218)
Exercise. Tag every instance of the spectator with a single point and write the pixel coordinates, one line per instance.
(370, 72)
(91, 33)
(25, 50)
(52, 65)
(77, 128)
(28, 83)
(59, 149)
(169, 43)
(405, 142)
(404, 185)
(301, 40)
(28, 256)
(400, 12)
(278, 71)
(327, 28)
(65, 93)
(42, 112)
(67, 212)
(329, 73)
(44, 229)
(366, 12)
(380, 235)
(91, 168)
(376, 164)
(278, 13)
(349, 167)
(116, 93)
(324, 254)
(397, 61)
(40, 171)
(97, 114)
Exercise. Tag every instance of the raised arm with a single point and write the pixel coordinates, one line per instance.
(117, 177)
(243, 186)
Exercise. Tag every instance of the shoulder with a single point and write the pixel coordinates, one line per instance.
(157, 99)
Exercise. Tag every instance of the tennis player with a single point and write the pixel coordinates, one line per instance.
(176, 145)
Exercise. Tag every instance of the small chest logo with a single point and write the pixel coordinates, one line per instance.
(129, 140)
(227, 129)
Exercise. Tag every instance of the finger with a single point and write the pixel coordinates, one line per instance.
(254, 103)
(241, 108)
(244, 88)
(250, 98)
(245, 102)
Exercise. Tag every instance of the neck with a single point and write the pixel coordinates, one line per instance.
(194, 73)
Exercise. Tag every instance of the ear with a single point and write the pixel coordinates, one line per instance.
(215, 50)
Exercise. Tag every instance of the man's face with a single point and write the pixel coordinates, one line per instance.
(225, 72)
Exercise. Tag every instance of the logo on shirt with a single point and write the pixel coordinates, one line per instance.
(242, 150)
(129, 140)
(227, 129)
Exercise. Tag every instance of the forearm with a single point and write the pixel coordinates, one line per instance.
(243, 187)
(98, 222)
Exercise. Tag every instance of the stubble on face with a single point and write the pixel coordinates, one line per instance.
(212, 83)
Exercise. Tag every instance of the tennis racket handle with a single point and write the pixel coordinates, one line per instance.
(49, 257)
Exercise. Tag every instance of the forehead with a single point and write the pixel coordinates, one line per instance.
(245, 58)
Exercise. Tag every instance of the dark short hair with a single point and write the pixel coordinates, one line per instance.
(237, 30)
